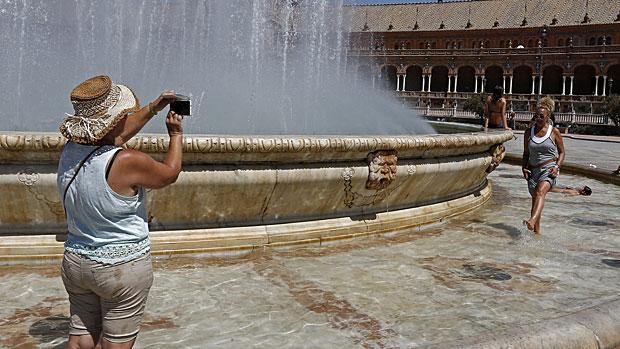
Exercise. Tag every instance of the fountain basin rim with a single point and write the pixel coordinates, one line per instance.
(16, 147)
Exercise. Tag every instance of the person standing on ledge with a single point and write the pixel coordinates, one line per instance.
(106, 268)
(495, 110)
(543, 155)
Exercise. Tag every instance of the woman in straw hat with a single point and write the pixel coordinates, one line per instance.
(106, 267)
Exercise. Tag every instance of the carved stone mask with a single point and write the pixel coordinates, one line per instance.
(381, 169)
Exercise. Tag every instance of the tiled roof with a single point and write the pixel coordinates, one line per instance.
(455, 15)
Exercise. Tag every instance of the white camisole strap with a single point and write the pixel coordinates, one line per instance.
(539, 140)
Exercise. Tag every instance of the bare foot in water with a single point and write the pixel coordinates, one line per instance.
(529, 225)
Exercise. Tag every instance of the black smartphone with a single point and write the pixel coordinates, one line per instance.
(182, 106)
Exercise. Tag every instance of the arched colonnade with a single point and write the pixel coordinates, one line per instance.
(583, 79)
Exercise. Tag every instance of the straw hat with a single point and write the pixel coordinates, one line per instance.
(99, 105)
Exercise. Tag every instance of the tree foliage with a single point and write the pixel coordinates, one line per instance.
(475, 104)
(611, 108)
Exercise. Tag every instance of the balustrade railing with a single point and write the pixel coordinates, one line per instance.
(560, 118)
(509, 96)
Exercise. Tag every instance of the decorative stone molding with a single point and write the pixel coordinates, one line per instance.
(35, 142)
(381, 169)
(497, 152)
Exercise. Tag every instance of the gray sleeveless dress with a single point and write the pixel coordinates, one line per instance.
(542, 149)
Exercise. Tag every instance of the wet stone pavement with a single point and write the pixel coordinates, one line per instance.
(479, 272)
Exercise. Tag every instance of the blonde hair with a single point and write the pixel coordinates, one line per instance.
(548, 103)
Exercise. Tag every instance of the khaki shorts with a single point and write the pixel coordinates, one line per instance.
(107, 299)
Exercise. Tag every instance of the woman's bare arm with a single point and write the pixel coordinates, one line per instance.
(503, 111)
(526, 154)
(133, 123)
(133, 169)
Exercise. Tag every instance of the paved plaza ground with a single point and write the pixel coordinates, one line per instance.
(601, 152)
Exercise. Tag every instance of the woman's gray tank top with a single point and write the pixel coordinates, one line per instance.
(542, 149)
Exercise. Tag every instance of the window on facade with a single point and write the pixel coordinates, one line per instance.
(600, 40)
(530, 43)
(592, 42)
(560, 42)
(501, 43)
(608, 40)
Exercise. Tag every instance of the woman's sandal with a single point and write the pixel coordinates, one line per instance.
(585, 191)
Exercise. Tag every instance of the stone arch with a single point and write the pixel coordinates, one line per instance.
(439, 79)
(466, 79)
(494, 76)
(413, 82)
(552, 80)
(387, 77)
(613, 72)
(584, 80)
(522, 76)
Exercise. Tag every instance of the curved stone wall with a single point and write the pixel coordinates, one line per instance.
(256, 181)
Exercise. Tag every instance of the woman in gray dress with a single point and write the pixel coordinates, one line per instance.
(543, 155)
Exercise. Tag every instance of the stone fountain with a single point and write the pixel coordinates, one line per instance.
(306, 173)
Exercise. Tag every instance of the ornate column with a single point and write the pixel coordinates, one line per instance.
(505, 87)
(423, 82)
(604, 85)
(456, 82)
(476, 84)
(596, 86)
(449, 83)
(404, 82)
(572, 80)
(564, 85)
(533, 83)
(397, 82)
(430, 79)
(511, 79)
(540, 81)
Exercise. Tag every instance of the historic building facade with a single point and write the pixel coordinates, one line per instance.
(440, 54)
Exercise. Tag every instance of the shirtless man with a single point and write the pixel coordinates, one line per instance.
(495, 110)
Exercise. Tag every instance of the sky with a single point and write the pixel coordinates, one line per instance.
(364, 2)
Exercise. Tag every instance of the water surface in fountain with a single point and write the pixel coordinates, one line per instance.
(253, 67)
(474, 274)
